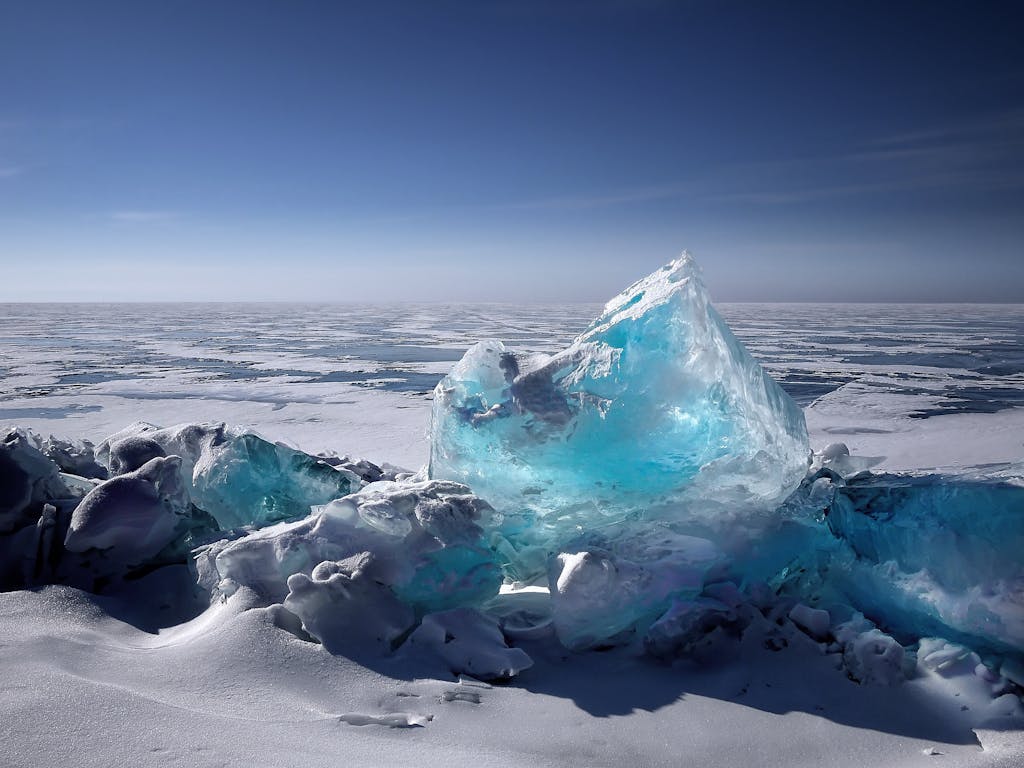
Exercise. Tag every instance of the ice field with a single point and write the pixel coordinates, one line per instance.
(599, 536)
(355, 378)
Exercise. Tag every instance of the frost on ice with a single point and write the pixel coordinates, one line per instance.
(656, 407)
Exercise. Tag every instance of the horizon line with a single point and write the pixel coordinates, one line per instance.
(441, 302)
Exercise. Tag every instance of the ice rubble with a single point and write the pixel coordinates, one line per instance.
(612, 585)
(345, 608)
(469, 643)
(649, 486)
(28, 479)
(237, 477)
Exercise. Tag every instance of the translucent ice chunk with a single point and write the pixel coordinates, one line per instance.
(235, 476)
(655, 405)
(934, 555)
(247, 480)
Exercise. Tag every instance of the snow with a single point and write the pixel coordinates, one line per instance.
(877, 425)
(135, 514)
(814, 621)
(469, 643)
(420, 539)
(345, 608)
(231, 687)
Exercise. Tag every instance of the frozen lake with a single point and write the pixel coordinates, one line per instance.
(918, 387)
(358, 378)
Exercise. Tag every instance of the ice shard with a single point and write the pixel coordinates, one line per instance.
(246, 480)
(656, 409)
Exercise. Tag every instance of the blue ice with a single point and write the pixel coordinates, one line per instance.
(655, 410)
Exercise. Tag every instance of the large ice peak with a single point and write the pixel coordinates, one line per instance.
(656, 408)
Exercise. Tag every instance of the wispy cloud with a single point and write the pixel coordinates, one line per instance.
(10, 171)
(143, 216)
(983, 155)
(1001, 127)
(604, 200)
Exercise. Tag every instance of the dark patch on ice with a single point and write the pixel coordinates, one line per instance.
(806, 389)
(1003, 368)
(394, 353)
(856, 431)
(992, 360)
(92, 377)
(973, 400)
(47, 413)
(389, 380)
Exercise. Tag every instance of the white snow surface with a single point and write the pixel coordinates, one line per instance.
(231, 688)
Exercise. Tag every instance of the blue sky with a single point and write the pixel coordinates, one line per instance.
(511, 151)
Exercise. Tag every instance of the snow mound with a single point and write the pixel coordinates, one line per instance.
(420, 539)
(136, 514)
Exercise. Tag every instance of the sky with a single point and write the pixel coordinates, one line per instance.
(510, 151)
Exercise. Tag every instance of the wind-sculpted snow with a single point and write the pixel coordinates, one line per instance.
(343, 606)
(656, 410)
(136, 514)
(469, 643)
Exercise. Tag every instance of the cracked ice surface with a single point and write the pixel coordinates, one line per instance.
(656, 408)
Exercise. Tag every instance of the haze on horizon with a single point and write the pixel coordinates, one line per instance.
(510, 151)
